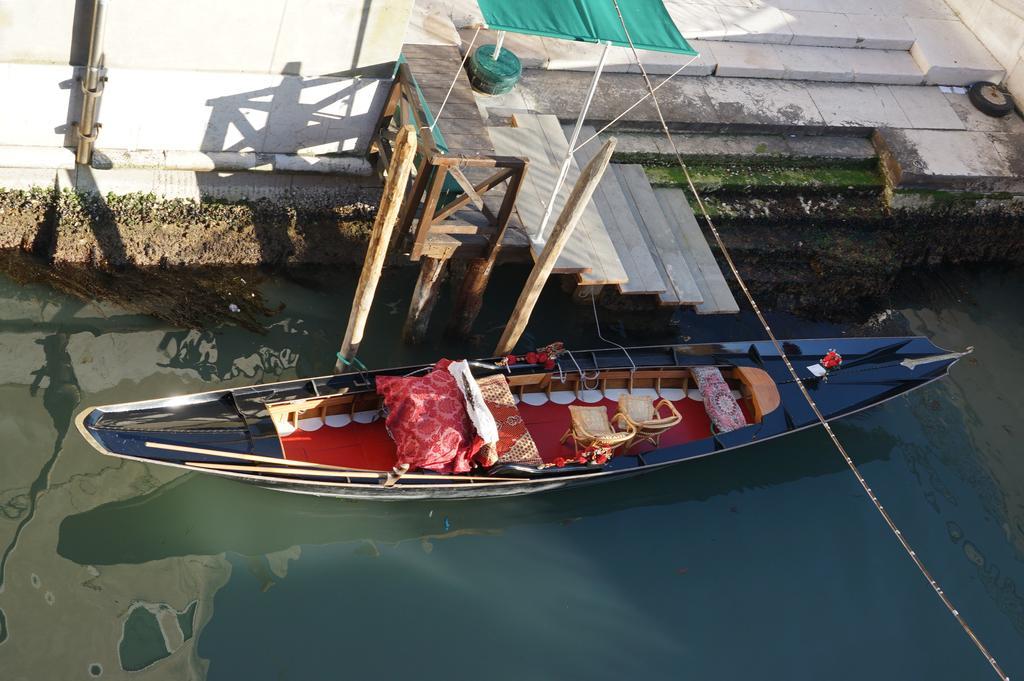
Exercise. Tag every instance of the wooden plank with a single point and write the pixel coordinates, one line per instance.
(606, 268)
(667, 247)
(530, 206)
(626, 234)
(479, 142)
(718, 298)
(670, 296)
(568, 219)
(376, 251)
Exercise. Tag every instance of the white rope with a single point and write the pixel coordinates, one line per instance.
(455, 79)
(803, 389)
(597, 323)
(636, 103)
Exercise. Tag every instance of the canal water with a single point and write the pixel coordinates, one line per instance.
(767, 563)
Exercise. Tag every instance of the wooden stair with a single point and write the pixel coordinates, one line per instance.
(657, 238)
(589, 254)
(643, 240)
(718, 298)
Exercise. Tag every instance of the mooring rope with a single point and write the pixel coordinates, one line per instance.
(597, 323)
(455, 79)
(796, 378)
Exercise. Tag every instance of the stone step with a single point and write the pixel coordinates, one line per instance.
(536, 52)
(729, 59)
(818, 23)
(430, 26)
(949, 54)
(826, 64)
(964, 160)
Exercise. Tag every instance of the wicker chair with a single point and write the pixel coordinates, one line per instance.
(591, 427)
(644, 416)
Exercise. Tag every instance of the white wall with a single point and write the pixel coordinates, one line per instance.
(301, 77)
(999, 24)
(194, 110)
(309, 37)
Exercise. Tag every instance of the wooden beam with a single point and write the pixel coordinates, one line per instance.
(467, 186)
(478, 272)
(419, 186)
(567, 220)
(424, 298)
(426, 220)
(387, 216)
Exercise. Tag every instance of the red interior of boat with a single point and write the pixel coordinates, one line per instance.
(368, 446)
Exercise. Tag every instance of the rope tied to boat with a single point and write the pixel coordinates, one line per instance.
(789, 366)
(597, 323)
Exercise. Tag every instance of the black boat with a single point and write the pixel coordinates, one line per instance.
(333, 435)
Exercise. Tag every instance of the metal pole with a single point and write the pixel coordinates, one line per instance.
(539, 237)
(498, 44)
(92, 85)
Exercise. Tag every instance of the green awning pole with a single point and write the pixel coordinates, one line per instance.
(539, 238)
(498, 44)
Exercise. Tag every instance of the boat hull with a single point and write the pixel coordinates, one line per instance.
(222, 433)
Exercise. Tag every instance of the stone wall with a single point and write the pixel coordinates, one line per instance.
(999, 24)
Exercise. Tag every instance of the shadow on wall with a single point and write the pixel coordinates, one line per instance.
(298, 127)
(301, 115)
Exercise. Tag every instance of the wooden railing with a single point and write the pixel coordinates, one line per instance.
(423, 214)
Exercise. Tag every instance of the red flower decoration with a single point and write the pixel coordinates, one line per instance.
(559, 462)
(601, 459)
(510, 359)
(550, 363)
(831, 360)
(531, 358)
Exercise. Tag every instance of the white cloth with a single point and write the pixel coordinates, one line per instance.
(482, 418)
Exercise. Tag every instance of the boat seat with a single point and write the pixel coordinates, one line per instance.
(645, 415)
(590, 429)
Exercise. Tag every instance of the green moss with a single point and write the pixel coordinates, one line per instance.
(713, 177)
(946, 197)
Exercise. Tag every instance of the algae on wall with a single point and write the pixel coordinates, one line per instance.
(141, 230)
(832, 241)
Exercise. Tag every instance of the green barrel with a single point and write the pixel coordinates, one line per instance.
(494, 76)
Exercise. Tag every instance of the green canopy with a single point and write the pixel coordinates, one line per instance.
(593, 21)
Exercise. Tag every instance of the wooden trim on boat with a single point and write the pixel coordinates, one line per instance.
(245, 457)
(288, 464)
(346, 473)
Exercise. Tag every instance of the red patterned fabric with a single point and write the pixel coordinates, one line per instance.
(514, 445)
(721, 406)
(428, 421)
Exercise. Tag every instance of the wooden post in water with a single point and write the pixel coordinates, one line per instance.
(424, 297)
(567, 220)
(478, 271)
(387, 215)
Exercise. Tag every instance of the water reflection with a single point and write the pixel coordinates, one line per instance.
(132, 568)
(61, 397)
(171, 520)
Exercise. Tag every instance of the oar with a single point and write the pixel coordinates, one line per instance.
(914, 363)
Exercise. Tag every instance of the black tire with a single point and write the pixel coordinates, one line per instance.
(990, 99)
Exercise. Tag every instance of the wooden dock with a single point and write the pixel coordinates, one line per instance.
(644, 241)
(478, 191)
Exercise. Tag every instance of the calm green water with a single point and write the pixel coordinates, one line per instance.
(763, 564)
